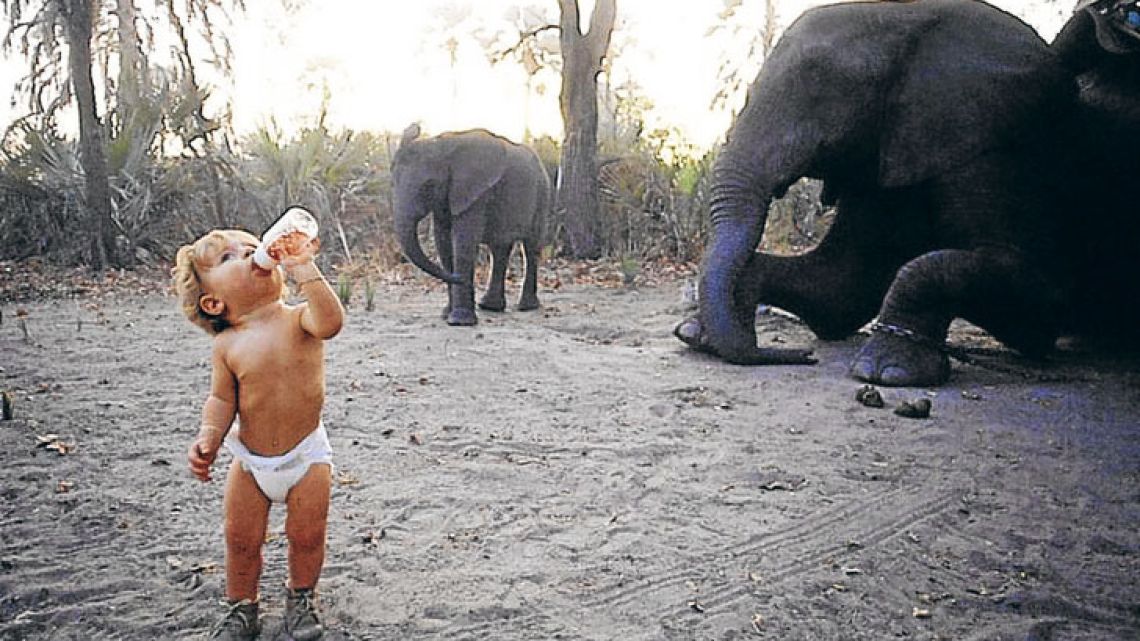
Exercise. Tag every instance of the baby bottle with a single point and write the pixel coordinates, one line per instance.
(289, 236)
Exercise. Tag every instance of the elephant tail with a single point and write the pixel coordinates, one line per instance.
(408, 237)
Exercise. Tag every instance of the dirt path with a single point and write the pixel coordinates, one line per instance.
(576, 474)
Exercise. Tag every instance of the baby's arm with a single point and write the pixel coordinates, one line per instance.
(323, 316)
(217, 417)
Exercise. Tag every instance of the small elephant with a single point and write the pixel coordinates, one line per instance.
(978, 173)
(479, 188)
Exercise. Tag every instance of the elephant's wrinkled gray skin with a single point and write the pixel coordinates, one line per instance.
(479, 188)
(972, 179)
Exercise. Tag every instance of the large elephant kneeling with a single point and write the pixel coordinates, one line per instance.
(978, 173)
(479, 188)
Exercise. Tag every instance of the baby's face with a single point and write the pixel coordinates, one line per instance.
(223, 260)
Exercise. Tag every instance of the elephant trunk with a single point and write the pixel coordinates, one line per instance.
(407, 234)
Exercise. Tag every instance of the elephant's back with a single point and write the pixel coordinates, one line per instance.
(853, 29)
(527, 168)
(927, 71)
(522, 198)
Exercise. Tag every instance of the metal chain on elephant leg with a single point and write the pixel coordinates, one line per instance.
(909, 334)
(966, 355)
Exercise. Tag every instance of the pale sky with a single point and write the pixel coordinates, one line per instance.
(386, 64)
(389, 66)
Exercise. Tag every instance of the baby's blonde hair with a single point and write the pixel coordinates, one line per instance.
(188, 286)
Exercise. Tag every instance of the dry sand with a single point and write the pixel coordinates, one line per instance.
(576, 473)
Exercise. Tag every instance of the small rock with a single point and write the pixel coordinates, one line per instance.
(869, 396)
(918, 408)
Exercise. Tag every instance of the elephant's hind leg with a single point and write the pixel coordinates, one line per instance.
(495, 298)
(996, 289)
(528, 297)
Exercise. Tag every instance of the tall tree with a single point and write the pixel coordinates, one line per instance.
(45, 28)
(52, 24)
(582, 57)
(79, 22)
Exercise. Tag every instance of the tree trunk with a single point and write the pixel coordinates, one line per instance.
(768, 38)
(582, 55)
(134, 81)
(91, 154)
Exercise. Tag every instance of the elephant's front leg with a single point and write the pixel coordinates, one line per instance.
(466, 231)
(441, 230)
(994, 288)
(752, 287)
(495, 298)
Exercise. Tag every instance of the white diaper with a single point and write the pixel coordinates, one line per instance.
(276, 475)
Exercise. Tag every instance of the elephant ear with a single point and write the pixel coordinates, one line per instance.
(477, 161)
(411, 132)
(972, 81)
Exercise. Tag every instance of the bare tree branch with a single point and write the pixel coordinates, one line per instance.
(524, 37)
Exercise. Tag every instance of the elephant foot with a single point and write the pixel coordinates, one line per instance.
(899, 361)
(493, 303)
(691, 332)
(528, 303)
(462, 317)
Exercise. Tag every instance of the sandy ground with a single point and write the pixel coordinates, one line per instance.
(576, 473)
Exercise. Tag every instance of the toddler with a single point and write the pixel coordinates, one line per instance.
(268, 372)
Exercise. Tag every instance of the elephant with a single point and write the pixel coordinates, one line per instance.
(479, 188)
(977, 172)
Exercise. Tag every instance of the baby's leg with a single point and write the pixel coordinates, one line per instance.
(246, 517)
(305, 524)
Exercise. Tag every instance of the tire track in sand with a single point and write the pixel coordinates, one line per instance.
(802, 546)
(798, 549)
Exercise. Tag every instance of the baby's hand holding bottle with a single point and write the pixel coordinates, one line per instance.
(295, 250)
(291, 240)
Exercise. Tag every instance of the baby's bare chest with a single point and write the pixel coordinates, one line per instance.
(271, 361)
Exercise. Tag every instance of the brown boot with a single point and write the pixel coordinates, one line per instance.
(239, 624)
(301, 622)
